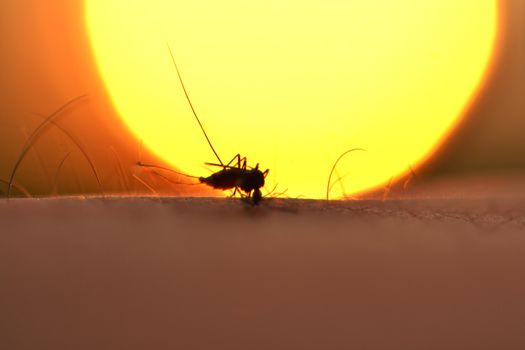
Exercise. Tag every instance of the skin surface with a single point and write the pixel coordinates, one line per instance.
(137, 273)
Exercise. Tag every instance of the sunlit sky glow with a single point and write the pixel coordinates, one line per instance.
(292, 84)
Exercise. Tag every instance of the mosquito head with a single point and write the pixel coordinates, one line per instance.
(256, 178)
(251, 180)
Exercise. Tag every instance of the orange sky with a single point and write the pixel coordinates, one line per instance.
(491, 137)
(46, 61)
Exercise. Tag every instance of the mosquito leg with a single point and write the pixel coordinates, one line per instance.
(238, 162)
(237, 190)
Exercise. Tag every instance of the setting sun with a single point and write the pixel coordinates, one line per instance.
(293, 84)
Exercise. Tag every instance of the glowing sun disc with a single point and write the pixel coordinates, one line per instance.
(292, 84)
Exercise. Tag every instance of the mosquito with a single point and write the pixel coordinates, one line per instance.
(236, 174)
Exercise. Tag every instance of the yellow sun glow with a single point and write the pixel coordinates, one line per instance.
(291, 84)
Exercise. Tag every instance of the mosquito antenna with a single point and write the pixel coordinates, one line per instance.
(335, 164)
(145, 165)
(191, 105)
